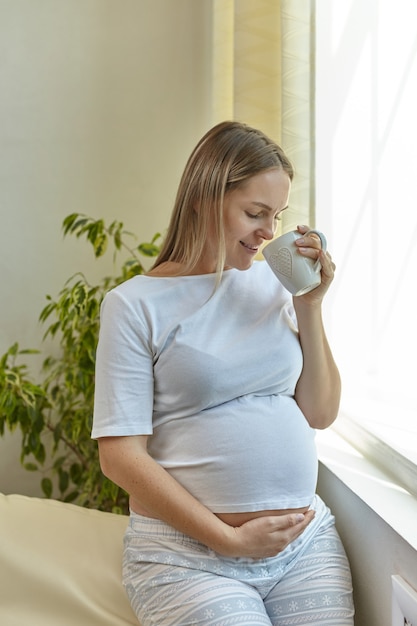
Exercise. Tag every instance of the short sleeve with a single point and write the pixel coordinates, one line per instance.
(123, 400)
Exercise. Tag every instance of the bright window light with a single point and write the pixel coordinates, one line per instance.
(366, 197)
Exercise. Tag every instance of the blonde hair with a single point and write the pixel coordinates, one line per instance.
(225, 157)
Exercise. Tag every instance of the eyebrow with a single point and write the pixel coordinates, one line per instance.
(261, 205)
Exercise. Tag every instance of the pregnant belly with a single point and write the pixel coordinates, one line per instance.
(242, 463)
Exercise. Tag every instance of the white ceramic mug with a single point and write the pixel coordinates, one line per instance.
(298, 274)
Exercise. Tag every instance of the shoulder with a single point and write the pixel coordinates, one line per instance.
(149, 295)
(130, 296)
(136, 287)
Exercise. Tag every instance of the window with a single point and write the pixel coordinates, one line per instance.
(366, 202)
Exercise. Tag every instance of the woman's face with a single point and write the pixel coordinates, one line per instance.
(251, 213)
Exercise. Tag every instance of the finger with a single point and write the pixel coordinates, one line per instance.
(293, 520)
(299, 523)
(327, 264)
(296, 525)
(303, 519)
(302, 228)
(309, 246)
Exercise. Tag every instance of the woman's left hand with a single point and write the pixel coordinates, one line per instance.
(310, 246)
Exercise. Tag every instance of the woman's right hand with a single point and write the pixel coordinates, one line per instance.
(266, 536)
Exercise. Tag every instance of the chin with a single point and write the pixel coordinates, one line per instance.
(244, 266)
(239, 264)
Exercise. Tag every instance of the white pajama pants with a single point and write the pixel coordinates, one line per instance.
(173, 580)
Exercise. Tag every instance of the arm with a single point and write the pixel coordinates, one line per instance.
(125, 461)
(318, 389)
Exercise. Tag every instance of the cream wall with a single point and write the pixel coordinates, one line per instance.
(101, 102)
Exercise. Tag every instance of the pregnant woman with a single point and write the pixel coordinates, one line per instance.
(210, 382)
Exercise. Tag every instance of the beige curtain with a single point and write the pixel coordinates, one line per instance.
(262, 75)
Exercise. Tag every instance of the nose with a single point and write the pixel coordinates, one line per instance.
(267, 231)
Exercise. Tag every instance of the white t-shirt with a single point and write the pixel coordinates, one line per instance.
(211, 377)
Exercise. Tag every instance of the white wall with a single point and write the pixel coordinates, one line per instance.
(101, 103)
(374, 549)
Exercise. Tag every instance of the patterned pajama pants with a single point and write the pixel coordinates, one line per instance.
(173, 580)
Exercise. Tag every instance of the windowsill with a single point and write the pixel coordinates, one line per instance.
(396, 506)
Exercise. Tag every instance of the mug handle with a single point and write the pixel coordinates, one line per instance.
(323, 240)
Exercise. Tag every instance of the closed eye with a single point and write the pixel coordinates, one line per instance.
(260, 214)
(256, 216)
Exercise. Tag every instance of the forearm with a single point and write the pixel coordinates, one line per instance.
(130, 467)
(318, 389)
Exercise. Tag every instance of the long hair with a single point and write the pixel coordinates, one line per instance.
(225, 157)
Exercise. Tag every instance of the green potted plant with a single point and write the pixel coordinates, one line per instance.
(54, 415)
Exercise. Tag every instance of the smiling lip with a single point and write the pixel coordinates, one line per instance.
(249, 247)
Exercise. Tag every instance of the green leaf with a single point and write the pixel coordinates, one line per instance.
(57, 435)
(47, 310)
(46, 485)
(69, 221)
(76, 473)
(148, 249)
(100, 245)
(70, 497)
(13, 350)
(117, 238)
(59, 462)
(40, 454)
(30, 467)
(29, 351)
(79, 225)
(12, 378)
(63, 479)
(80, 294)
